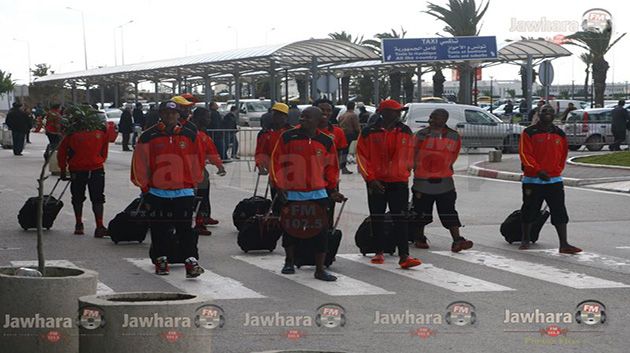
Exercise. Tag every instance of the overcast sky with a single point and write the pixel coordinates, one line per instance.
(167, 29)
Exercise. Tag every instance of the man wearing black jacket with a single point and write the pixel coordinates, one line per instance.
(17, 120)
(620, 119)
(138, 121)
(125, 126)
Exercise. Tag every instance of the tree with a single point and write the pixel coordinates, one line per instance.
(41, 70)
(395, 77)
(345, 79)
(511, 92)
(462, 18)
(597, 43)
(587, 59)
(6, 84)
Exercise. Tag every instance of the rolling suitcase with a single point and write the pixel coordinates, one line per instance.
(27, 217)
(250, 207)
(366, 241)
(130, 224)
(7, 137)
(305, 256)
(260, 232)
(511, 227)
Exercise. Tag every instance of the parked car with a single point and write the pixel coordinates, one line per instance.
(250, 110)
(342, 109)
(113, 115)
(589, 127)
(477, 127)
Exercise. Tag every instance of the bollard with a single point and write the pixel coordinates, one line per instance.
(495, 156)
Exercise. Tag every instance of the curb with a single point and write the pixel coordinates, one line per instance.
(502, 175)
(590, 165)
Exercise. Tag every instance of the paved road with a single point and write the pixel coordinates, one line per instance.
(495, 277)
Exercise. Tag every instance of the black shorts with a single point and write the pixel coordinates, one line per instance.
(552, 194)
(319, 242)
(423, 207)
(94, 181)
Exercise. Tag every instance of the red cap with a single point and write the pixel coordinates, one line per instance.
(189, 97)
(390, 104)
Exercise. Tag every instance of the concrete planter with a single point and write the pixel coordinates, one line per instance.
(39, 313)
(147, 322)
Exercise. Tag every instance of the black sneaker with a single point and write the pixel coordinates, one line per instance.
(288, 269)
(192, 268)
(461, 244)
(325, 276)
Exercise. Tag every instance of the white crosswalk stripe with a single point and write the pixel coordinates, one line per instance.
(344, 286)
(534, 270)
(101, 288)
(605, 262)
(210, 283)
(436, 276)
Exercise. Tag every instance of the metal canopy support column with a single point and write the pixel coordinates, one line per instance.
(87, 92)
(102, 86)
(314, 73)
(528, 82)
(253, 88)
(135, 87)
(63, 94)
(377, 94)
(74, 93)
(272, 82)
(116, 98)
(237, 90)
(157, 92)
(174, 88)
(286, 86)
(206, 89)
(419, 83)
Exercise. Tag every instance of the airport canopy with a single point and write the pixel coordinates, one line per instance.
(284, 56)
(537, 48)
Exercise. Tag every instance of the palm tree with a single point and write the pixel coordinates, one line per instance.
(345, 80)
(587, 59)
(462, 18)
(6, 84)
(395, 77)
(597, 43)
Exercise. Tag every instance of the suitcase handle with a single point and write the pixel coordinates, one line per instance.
(343, 204)
(62, 191)
(257, 182)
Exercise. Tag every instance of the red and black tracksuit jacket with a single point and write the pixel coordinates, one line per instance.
(385, 155)
(208, 150)
(265, 143)
(83, 151)
(167, 160)
(338, 136)
(435, 155)
(303, 163)
(542, 150)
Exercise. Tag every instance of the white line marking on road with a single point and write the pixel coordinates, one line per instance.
(344, 286)
(5, 248)
(622, 247)
(533, 270)
(436, 276)
(101, 288)
(209, 283)
(592, 259)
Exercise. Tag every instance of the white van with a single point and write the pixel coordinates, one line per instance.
(477, 127)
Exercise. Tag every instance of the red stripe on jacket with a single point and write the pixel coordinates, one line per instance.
(302, 163)
(434, 156)
(385, 155)
(542, 150)
(265, 143)
(83, 151)
(208, 150)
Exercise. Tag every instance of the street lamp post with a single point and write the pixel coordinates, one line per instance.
(28, 53)
(235, 35)
(122, 40)
(84, 41)
(491, 92)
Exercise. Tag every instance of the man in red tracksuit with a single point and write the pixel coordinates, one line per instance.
(385, 156)
(84, 153)
(166, 166)
(209, 154)
(543, 151)
(436, 149)
(304, 166)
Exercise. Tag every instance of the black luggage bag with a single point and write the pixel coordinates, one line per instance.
(250, 207)
(27, 217)
(304, 256)
(129, 225)
(260, 232)
(511, 227)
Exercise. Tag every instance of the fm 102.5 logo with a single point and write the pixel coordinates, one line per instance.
(590, 312)
(460, 314)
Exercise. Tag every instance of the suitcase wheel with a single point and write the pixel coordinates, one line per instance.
(298, 266)
(246, 251)
(391, 254)
(363, 254)
(115, 242)
(24, 228)
(140, 241)
(534, 241)
(271, 250)
(510, 242)
(48, 228)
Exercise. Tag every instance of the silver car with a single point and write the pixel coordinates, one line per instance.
(589, 127)
(478, 128)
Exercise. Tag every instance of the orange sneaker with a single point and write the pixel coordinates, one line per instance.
(378, 259)
(410, 262)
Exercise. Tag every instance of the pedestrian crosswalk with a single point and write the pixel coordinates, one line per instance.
(350, 267)
(533, 270)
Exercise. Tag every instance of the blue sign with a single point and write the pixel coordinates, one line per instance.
(439, 49)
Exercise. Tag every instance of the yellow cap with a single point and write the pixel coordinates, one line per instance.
(181, 101)
(281, 107)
